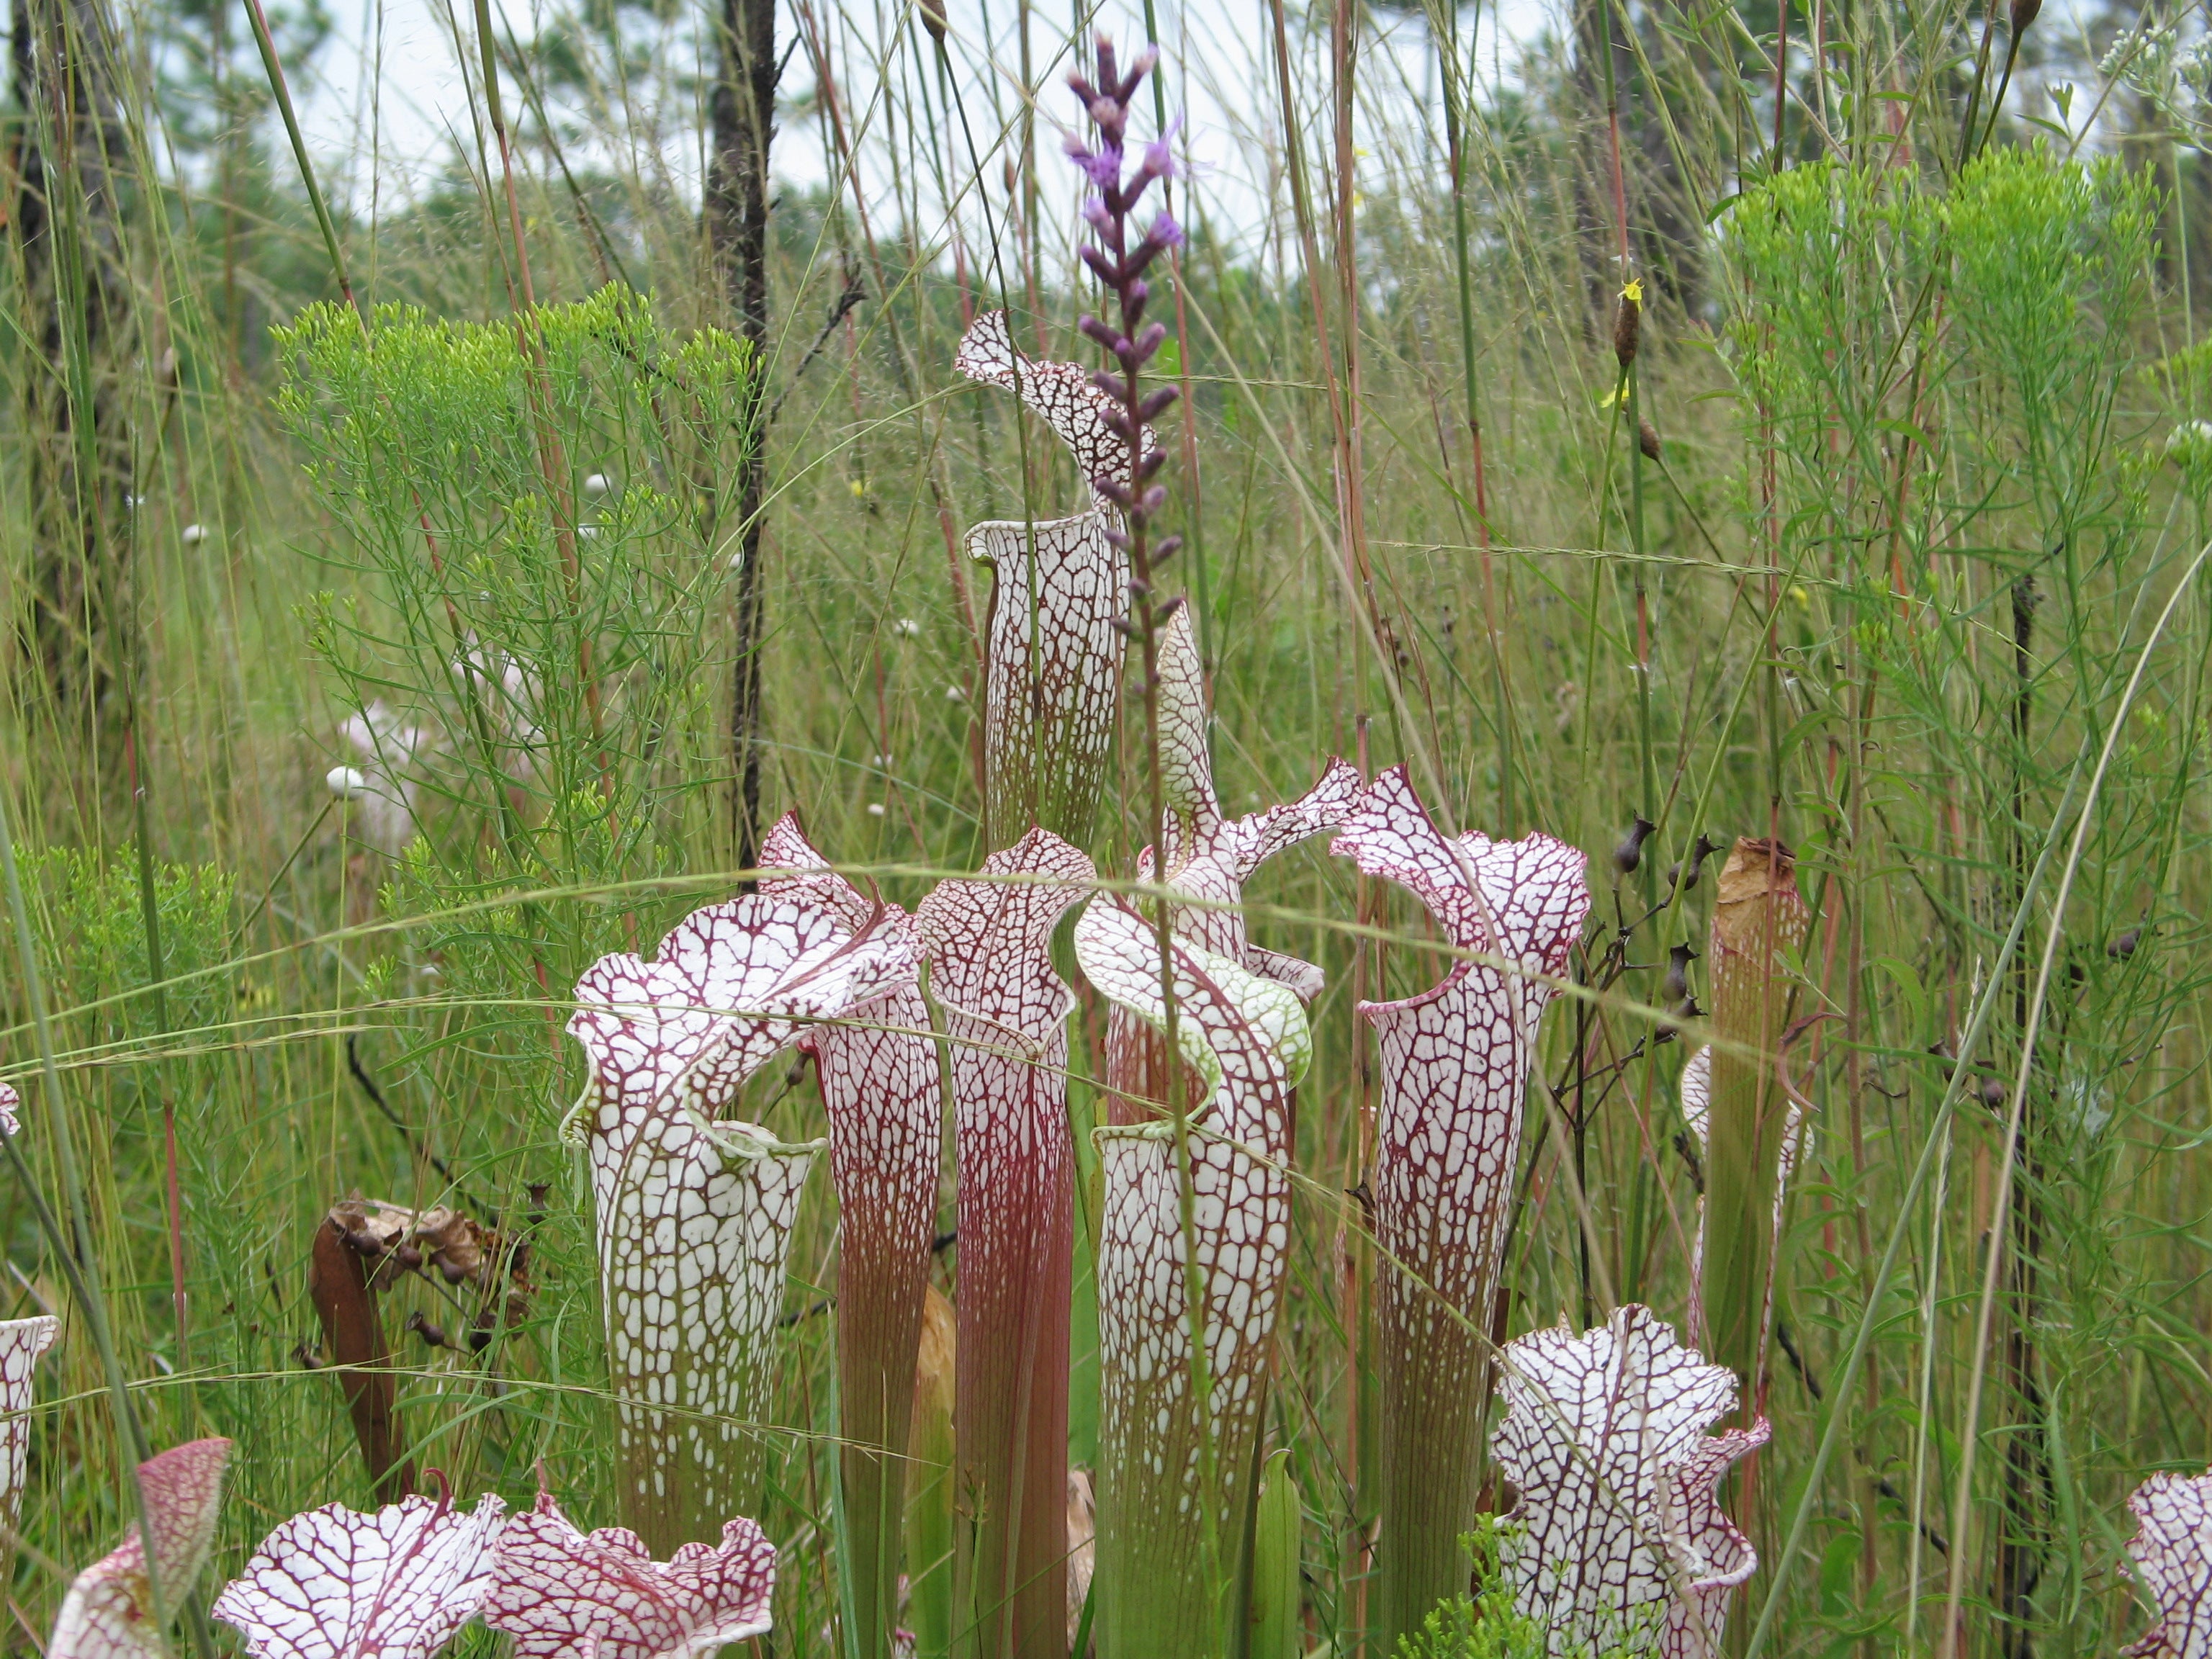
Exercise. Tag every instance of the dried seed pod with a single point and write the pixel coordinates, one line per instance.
(1699, 853)
(933, 19)
(1647, 439)
(1628, 322)
(1630, 854)
(2024, 12)
(1676, 986)
(432, 1335)
(2125, 946)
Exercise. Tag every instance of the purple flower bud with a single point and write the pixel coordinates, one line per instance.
(1102, 168)
(1159, 154)
(1166, 232)
(1095, 214)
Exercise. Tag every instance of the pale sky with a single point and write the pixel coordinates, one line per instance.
(1225, 84)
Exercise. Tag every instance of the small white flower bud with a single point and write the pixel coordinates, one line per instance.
(347, 782)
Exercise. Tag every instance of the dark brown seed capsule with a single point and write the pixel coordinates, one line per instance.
(1993, 1092)
(431, 1334)
(1703, 850)
(2024, 12)
(1677, 985)
(933, 19)
(1630, 853)
(2125, 946)
(1647, 439)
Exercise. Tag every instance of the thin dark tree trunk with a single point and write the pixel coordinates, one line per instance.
(78, 317)
(743, 114)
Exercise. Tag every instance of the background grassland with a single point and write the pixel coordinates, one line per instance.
(1913, 526)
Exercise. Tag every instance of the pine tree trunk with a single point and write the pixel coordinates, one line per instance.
(743, 114)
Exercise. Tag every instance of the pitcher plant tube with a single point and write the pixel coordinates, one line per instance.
(111, 1611)
(2172, 1555)
(1456, 1063)
(694, 1212)
(1177, 1437)
(1209, 858)
(1002, 1012)
(1054, 652)
(1759, 923)
(881, 1089)
(561, 1594)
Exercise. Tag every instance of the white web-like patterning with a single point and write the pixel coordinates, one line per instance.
(1620, 1546)
(695, 1214)
(396, 1583)
(1246, 1039)
(989, 943)
(109, 1612)
(1054, 657)
(10, 1104)
(1062, 393)
(21, 1342)
(1697, 1109)
(1210, 857)
(878, 1071)
(2173, 1552)
(1053, 687)
(562, 1595)
(1456, 1059)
